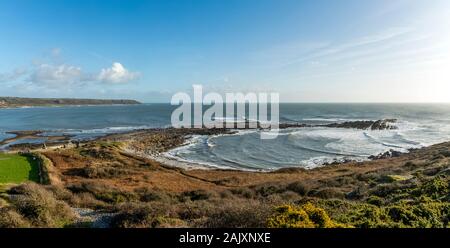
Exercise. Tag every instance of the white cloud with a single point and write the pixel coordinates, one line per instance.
(63, 75)
(117, 74)
(54, 75)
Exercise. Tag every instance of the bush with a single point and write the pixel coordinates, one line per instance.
(433, 214)
(103, 172)
(365, 216)
(426, 214)
(269, 189)
(290, 217)
(305, 216)
(61, 193)
(436, 188)
(327, 193)
(103, 192)
(411, 164)
(87, 200)
(11, 219)
(237, 214)
(196, 195)
(40, 206)
(244, 192)
(299, 188)
(375, 200)
(401, 214)
(143, 216)
(386, 190)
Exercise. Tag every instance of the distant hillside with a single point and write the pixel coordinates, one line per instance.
(8, 102)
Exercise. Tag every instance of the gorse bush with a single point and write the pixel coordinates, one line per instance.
(425, 214)
(305, 216)
(436, 188)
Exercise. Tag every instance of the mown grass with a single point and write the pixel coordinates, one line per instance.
(15, 168)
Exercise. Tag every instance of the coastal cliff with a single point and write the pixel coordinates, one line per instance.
(13, 102)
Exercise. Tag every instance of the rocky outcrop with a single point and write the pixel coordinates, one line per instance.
(384, 124)
(389, 154)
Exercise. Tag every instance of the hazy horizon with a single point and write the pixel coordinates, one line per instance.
(392, 51)
(281, 102)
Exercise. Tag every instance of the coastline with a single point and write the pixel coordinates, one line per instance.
(18, 102)
(183, 138)
(117, 175)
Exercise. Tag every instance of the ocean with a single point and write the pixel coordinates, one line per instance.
(418, 125)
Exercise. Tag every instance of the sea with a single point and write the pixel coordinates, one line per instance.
(418, 125)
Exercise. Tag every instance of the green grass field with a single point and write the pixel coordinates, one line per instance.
(16, 168)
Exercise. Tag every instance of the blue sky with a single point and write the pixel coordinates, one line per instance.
(308, 51)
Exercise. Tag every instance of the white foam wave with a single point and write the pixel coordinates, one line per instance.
(325, 145)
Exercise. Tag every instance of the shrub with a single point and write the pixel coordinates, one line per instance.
(103, 172)
(404, 214)
(299, 188)
(11, 219)
(411, 164)
(103, 192)
(149, 195)
(268, 189)
(386, 190)
(196, 195)
(195, 210)
(40, 206)
(327, 193)
(237, 214)
(290, 217)
(433, 214)
(365, 216)
(226, 194)
(375, 200)
(401, 214)
(87, 200)
(305, 216)
(244, 192)
(436, 188)
(394, 178)
(164, 222)
(142, 216)
(288, 196)
(61, 193)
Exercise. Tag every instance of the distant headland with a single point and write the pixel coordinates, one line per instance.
(14, 102)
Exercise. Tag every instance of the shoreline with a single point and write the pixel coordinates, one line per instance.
(64, 106)
(19, 102)
(106, 177)
(162, 154)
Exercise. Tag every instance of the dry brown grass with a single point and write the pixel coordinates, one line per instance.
(40, 206)
(145, 193)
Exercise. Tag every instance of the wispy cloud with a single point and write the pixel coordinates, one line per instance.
(12, 76)
(349, 46)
